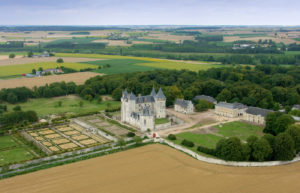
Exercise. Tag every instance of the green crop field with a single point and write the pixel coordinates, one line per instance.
(78, 40)
(70, 105)
(12, 151)
(11, 70)
(120, 66)
(151, 63)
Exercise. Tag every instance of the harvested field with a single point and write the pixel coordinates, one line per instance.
(53, 148)
(33, 134)
(47, 143)
(78, 78)
(39, 138)
(46, 132)
(71, 132)
(80, 137)
(20, 60)
(256, 39)
(68, 146)
(155, 168)
(169, 37)
(60, 141)
(52, 136)
(88, 142)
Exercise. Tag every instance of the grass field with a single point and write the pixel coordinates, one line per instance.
(70, 105)
(148, 62)
(155, 169)
(121, 66)
(12, 151)
(161, 121)
(27, 68)
(241, 130)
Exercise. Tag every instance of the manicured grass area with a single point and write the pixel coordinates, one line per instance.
(14, 155)
(207, 140)
(13, 151)
(120, 66)
(151, 63)
(240, 129)
(161, 121)
(70, 105)
(11, 70)
(7, 142)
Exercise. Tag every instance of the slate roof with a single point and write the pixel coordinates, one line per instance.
(160, 94)
(258, 111)
(132, 96)
(231, 105)
(205, 97)
(153, 93)
(147, 112)
(125, 94)
(182, 103)
(144, 99)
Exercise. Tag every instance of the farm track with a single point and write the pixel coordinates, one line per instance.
(155, 168)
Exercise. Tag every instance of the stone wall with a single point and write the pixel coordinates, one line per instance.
(227, 163)
(36, 143)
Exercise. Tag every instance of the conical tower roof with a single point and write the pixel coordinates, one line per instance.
(160, 94)
(125, 93)
(153, 93)
(132, 96)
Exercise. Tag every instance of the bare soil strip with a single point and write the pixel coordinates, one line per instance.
(154, 168)
(78, 78)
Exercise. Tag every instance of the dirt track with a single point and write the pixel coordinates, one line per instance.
(155, 169)
(78, 78)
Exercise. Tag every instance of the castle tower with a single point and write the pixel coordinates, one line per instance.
(124, 105)
(160, 104)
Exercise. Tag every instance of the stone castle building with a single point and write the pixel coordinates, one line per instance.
(141, 111)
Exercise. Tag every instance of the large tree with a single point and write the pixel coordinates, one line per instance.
(284, 148)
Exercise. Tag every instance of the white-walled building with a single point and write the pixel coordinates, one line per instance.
(141, 111)
(184, 106)
(231, 110)
(256, 115)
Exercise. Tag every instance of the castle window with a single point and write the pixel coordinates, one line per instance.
(144, 122)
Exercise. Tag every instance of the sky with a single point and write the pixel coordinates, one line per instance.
(149, 12)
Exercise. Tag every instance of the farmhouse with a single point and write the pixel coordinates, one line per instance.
(141, 111)
(52, 71)
(256, 115)
(184, 106)
(296, 107)
(205, 97)
(230, 109)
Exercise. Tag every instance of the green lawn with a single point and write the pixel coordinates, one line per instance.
(161, 121)
(121, 66)
(207, 140)
(7, 142)
(14, 155)
(70, 105)
(240, 129)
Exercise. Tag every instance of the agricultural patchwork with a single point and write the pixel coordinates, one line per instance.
(63, 138)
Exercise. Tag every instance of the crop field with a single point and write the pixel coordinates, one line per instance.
(77, 77)
(4, 61)
(209, 137)
(70, 105)
(27, 68)
(159, 168)
(65, 138)
(140, 63)
(12, 151)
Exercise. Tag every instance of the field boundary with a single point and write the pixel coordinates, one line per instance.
(226, 163)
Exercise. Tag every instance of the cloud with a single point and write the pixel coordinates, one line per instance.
(145, 12)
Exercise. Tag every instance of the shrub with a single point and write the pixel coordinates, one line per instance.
(187, 143)
(130, 134)
(206, 150)
(12, 55)
(60, 60)
(172, 137)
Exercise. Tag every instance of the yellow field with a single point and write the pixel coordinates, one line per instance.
(27, 68)
(155, 169)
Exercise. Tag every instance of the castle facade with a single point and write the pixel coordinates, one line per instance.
(141, 111)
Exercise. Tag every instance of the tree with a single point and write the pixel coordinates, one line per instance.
(172, 137)
(60, 60)
(33, 71)
(40, 69)
(12, 55)
(30, 54)
(121, 142)
(203, 105)
(12, 98)
(17, 108)
(230, 149)
(277, 122)
(261, 150)
(138, 140)
(294, 132)
(284, 147)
